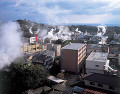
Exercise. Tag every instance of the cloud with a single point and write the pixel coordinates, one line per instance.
(58, 11)
(88, 18)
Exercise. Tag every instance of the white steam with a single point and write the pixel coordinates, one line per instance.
(30, 30)
(101, 31)
(63, 34)
(10, 43)
(77, 30)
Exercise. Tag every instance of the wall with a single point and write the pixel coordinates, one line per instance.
(97, 65)
(69, 60)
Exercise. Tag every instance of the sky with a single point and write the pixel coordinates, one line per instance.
(61, 11)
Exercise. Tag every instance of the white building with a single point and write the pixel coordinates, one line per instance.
(97, 63)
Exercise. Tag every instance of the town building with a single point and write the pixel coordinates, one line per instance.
(50, 53)
(105, 82)
(96, 48)
(72, 57)
(30, 48)
(97, 62)
(57, 49)
(49, 46)
(54, 47)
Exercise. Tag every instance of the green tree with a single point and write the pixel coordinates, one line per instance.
(24, 76)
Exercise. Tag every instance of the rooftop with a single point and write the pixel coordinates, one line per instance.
(97, 56)
(104, 79)
(49, 53)
(73, 46)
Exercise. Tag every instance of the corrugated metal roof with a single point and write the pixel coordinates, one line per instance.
(97, 56)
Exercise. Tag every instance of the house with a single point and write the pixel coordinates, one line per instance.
(102, 81)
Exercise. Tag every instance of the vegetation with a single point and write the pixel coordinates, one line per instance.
(19, 77)
(67, 42)
(26, 24)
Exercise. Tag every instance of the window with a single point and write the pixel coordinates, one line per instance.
(92, 83)
(111, 87)
(100, 85)
(97, 65)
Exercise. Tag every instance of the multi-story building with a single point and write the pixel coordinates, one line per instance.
(72, 57)
(97, 62)
(27, 48)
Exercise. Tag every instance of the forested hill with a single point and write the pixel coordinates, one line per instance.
(26, 24)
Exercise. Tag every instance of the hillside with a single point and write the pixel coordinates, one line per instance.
(26, 24)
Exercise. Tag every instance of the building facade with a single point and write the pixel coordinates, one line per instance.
(72, 56)
(30, 48)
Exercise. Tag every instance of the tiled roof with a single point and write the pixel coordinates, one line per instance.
(63, 88)
(104, 79)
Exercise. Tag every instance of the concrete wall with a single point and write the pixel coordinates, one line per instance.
(105, 87)
(69, 60)
(97, 65)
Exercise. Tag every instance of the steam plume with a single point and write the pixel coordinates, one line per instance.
(63, 34)
(101, 30)
(10, 43)
(100, 33)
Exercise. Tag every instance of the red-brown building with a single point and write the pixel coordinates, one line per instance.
(72, 56)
